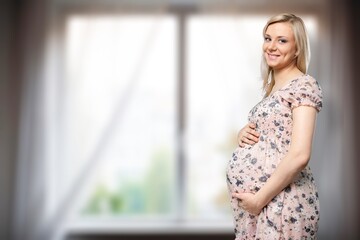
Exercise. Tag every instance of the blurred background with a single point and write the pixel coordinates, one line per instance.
(118, 118)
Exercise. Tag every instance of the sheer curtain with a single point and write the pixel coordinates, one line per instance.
(39, 211)
(30, 175)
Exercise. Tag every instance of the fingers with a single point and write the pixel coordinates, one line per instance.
(252, 136)
(240, 139)
(249, 138)
(250, 129)
(253, 133)
(248, 141)
(236, 195)
(239, 199)
(248, 135)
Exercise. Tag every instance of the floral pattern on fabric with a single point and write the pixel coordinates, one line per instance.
(294, 212)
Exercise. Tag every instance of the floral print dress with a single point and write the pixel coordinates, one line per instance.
(294, 212)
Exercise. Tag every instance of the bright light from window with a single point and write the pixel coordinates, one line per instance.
(119, 113)
(224, 55)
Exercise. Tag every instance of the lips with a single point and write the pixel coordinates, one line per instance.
(272, 56)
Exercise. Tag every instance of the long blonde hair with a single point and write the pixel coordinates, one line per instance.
(301, 43)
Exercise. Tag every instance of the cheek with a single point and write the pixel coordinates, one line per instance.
(264, 46)
(291, 50)
(286, 51)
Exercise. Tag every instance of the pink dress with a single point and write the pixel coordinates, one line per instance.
(294, 213)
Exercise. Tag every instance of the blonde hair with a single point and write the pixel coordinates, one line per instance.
(301, 43)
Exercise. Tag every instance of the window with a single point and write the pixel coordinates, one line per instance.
(118, 127)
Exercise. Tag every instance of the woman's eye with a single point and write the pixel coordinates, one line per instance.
(282, 41)
(267, 39)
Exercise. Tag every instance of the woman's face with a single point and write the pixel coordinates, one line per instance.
(279, 46)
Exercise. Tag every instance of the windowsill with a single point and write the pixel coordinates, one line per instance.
(158, 227)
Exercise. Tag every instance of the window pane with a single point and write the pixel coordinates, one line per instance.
(224, 83)
(120, 115)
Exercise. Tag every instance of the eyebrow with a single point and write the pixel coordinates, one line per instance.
(267, 35)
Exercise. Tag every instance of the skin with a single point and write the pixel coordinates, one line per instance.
(280, 53)
(247, 135)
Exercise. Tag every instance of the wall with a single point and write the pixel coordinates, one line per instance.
(9, 106)
(345, 30)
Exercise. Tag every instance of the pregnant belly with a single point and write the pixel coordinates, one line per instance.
(246, 169)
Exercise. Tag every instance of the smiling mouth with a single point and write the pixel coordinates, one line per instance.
(272, 56)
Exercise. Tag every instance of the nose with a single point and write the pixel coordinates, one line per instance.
(272, 45)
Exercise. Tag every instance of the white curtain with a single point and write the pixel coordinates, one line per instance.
(37, 215)
(30, 198)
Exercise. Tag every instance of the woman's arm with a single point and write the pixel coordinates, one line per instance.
(304, 118)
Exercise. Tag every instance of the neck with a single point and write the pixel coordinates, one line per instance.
(284, 74)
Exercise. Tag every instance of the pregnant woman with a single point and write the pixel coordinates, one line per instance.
(273, 193)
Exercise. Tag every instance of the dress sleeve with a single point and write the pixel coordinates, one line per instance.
(305, 92)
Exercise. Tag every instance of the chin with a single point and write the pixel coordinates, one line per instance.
(271, 64)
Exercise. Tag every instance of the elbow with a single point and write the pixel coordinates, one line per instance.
(302, 159)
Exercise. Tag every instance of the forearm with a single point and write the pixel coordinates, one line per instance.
(285, 173)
